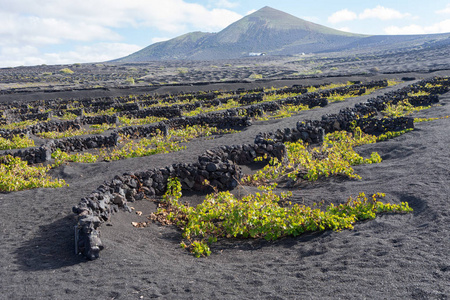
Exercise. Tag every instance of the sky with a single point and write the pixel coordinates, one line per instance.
(35, 32)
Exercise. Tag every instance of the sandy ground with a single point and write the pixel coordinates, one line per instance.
(391, 257)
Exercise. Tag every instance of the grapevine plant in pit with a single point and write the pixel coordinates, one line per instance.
(260, 215)
(401, 109)
(335, 156)
(15, 142)
(144, 147)
(16, 175)
(161, 143)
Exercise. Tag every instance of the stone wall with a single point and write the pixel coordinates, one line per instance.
(129, 187)
(220, 165)
(41, 127)
(20, 112)
(42, 154)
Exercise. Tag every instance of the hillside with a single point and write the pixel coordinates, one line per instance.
(274, 32)
(266, 30)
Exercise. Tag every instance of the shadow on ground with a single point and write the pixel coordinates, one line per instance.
(51, 248)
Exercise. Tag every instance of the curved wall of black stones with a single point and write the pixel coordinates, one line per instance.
(219, 165)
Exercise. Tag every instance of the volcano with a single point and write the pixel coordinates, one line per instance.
(272, 32)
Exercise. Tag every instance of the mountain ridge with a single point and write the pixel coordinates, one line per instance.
(268, 31)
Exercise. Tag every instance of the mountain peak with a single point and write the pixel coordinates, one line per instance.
(267, 8)
(269, 22)
(266, 30)
(273, 15)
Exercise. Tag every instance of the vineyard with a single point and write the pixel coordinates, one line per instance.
(304, 180)
(56, 132)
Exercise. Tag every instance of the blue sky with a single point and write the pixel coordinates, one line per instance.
(34, 32)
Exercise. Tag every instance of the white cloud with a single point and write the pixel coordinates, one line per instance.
(20, 56)
(51, 21)
(93, 53)
(34, 24)
(215, 19)
(382, 13)
(28, 55)
(32, 30)
(445, 11)
(379, 12)
(441, 27)
(175, 16)
(250, 12)
(342, 15)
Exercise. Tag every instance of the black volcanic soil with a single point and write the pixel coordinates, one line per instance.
(391, 257)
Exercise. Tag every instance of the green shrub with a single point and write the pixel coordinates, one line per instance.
(63, 157)
(144, 147)
(335, 156)
(260, 215)
(273, 97)
(419, 93)
(195, 131)
(70, 133)
(351, 94)
(108, 112)
(401, 109)
(143, 121)
(201, 110)
(256, 76)
(160, 143)
(392, 134)
(15, 142)
(16, 175)
(19, 125)
(68, 116)
(419, 120)
(284, 112)
(100, 128)
(66, 71)
(393, 82)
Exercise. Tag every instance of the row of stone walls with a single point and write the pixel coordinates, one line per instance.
(19, 112)
(219, 166)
